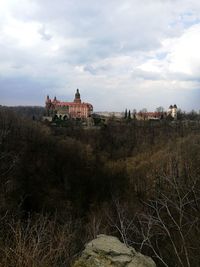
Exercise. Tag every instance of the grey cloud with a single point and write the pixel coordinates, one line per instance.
(139, 27)
(165, 76)
(99, 30)
(24, 90)
(97, 69)
(146, 75)
(90, 69)
(45, 36)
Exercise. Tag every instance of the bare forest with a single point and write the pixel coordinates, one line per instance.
(62, 186)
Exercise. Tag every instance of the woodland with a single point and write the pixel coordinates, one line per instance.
(62, 186)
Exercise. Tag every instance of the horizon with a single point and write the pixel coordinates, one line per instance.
(109, 111)
(130, 54)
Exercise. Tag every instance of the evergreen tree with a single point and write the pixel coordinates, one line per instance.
(126, 114)
(129, 114)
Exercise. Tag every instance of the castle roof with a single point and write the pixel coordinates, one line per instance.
(64, 104)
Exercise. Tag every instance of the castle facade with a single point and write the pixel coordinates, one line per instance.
(65, 110)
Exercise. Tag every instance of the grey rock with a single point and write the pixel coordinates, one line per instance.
(108, 251)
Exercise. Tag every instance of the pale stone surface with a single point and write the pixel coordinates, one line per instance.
(108, 251)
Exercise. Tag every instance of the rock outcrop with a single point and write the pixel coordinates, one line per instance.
(108, 251)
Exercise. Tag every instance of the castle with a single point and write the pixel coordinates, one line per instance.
(81, 110)
(65, 110)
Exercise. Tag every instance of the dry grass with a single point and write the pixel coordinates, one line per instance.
(38, 242)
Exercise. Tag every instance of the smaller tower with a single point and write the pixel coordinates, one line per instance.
(48, 105)
(77, 97)
(47, 99)
(174, 111)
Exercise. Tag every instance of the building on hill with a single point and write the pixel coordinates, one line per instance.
(172, 112)
(150, 115)
(63, 110)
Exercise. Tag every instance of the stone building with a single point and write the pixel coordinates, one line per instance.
(76, 109)
(172, 111)
(150, 115)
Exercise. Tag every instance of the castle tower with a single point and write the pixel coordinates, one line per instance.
(48, 105)
(174, 111)
(47, 99)
(77, 98)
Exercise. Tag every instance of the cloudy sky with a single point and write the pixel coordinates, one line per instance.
(119, 53)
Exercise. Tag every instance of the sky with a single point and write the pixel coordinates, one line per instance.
(121, 54)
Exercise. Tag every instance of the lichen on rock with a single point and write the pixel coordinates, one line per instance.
(108, 251)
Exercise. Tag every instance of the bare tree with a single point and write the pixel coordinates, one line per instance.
(170, 219)
(160, 109)
(173, 217)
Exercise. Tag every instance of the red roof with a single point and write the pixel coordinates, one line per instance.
(63, 104)
(151, 114)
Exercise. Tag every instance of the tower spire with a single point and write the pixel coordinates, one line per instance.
(77, 97)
